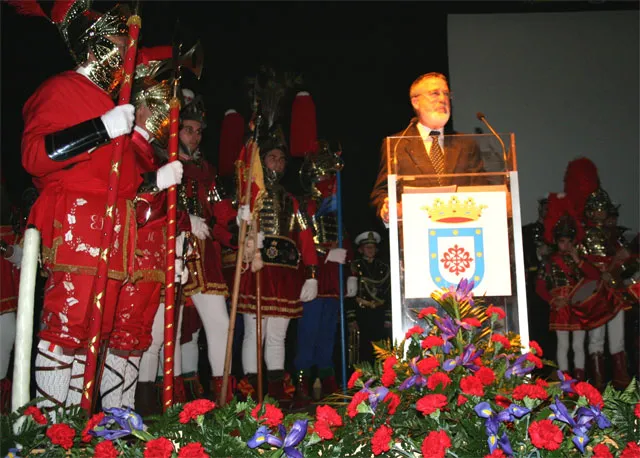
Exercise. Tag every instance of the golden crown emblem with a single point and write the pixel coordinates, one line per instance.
(454, 211)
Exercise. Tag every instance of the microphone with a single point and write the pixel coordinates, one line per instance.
(482, 118)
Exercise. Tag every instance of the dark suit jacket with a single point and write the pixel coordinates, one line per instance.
(461, 155)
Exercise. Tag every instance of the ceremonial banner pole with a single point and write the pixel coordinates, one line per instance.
(170, 278)
(259, 328)
(100, 280)
(341, 281)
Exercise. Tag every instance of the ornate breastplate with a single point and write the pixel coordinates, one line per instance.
(596, 243)
(188, 198)
(559, 277)
(325, 229)
(277, 215)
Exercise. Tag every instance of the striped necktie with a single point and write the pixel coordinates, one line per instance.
(435, 153)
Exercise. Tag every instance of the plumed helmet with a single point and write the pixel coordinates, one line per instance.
(598, 200)
(150, 90)
(561, 220)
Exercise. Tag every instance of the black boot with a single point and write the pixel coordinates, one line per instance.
(147, 399)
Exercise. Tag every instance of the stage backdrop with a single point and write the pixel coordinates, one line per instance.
(565, 83)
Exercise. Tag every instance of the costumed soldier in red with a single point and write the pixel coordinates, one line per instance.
(318, 325)
(139, 299)
(606, 313)
(206, 288)
(69, 123)
(10, 257)
(370, 316)
(288, 240)
(563, 273)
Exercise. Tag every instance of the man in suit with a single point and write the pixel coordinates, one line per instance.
(414, 150)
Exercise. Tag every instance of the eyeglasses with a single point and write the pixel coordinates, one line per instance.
(434, 95)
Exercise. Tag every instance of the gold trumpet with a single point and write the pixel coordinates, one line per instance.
(354, 346)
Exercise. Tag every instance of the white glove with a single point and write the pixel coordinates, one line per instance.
(119, 120)
(244, 213)
(309, 290)
(352, 286)
(182, 273)
(338, 255)
(198, 227)
(168, 175)
(180, 245)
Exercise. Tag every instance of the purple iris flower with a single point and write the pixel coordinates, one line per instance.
(516, 411)
(492, 423)
(580, 438)
(293, 438)
(127, 419)
(461, 292)
(505, 445)
(448, 330)
(518, 369)
(465, 359)
(593, 413)
(261, 436)
(561, 413)
(566, 384)
(377, 395)
(416, 379)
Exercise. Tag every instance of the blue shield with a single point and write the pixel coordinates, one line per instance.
(450, 261)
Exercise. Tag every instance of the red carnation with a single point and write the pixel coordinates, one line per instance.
(435, 444)
(438, 378)
(414, 330)
(601, 451)
(587, 390)
(541, 382)
(535, 346)
(380, 442)
(531, 391)
(503, 402)
(194, 409)
(471, 321)
(61, 434)
(329, 415)
(632, 450)
(92, 423)
(158, 448)
(535, 360)
(352, 408)
(427, 311)
(430, 403)
(493, 310)
(323, 430)
(486, 375)
(352, 380)
(388, 374)
(472, 385)
(499, 338)
(545, 435)
(105, 449)
(428, 365)
(637, 410)
(36, 414)
(431, 341)
(272, 415)
(497, 453)
(393, 400)
(462, 400)
(192, 450)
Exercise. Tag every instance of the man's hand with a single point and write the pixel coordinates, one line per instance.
(352, 286)
(119, 120)
(199, 227)
(338, 255)
(169, 175)
(309, 290)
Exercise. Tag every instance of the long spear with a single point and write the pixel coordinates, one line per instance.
(169, 315)
(244, 200)
(100, 280)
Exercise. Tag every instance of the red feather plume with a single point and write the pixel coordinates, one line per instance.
(231, 142)
(146, 55)
(580, 179)
(28, 8)
(304, 135)
(559, 206)
(60, 10)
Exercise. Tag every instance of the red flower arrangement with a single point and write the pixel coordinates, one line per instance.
(192, 450)
(414, 330)
(61, 434)
(430, 403)
(530, 391)
(91, 423)
(105, 449)
(381, 440)
(435, 444)
(194, 409)
(590, 392)
(601, 451)
(431, 341)
(498, 312)
(393, 401)
(427, 311)
(272, 416)
(36, 414)
(326, 417)
(158, 448)
(438, 378)
(545, 435)
(499, 338)
(472, 385)
(389, 375)
(428, 365)
(354, 377)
